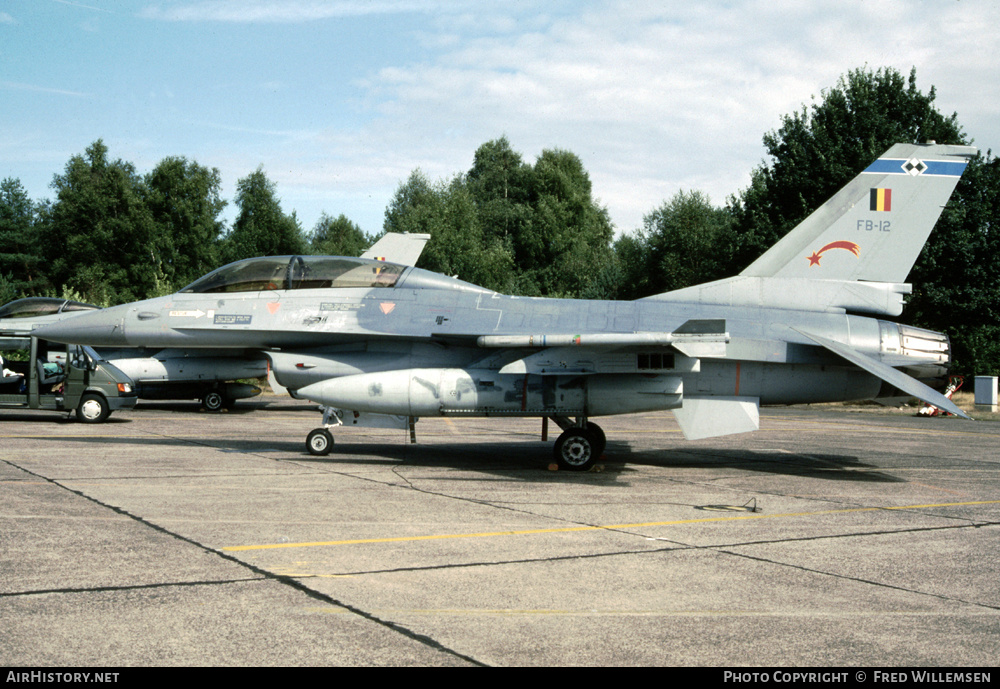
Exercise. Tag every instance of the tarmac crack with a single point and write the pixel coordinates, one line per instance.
(528, 561)
(501, 506)
(819, 499)
(291, 582)
(725, 549)
(133, 587)
(677, 545)
(869, 582)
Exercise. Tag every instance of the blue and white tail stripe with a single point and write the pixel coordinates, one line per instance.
(916, 166)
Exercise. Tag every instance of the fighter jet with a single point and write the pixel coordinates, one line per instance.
(799, 325)
(171, 373)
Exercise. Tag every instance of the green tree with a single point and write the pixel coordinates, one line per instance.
(100, 239)
(957, 276)
(512, 227)
(261, 228)
(185, 202)
(457, 246)
(500, 184)
(338, 237)
(414, 208)
(684, 242)
(956, 280)
(818, 150)
(570, 237)
(21, 262)
(545, 217)
(8, 291)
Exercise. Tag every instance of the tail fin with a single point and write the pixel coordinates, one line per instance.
(874, 228)
(855, 251)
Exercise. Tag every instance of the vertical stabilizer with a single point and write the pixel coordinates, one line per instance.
(874, 228)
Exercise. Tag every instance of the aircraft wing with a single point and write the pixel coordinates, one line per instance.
(393, 247)
(897, 379)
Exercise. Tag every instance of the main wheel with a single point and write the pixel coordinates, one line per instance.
(575, 449)
(319, 442)
(93, 408)
(213, 400)
(599, 437)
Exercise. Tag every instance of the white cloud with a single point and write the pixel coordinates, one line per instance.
(281, 12)
(85, 7)
(656, 99)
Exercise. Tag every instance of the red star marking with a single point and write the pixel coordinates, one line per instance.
(842, 244)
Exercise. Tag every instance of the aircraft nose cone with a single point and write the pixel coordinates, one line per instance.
(104, 328)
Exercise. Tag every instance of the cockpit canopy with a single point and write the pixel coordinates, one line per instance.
(297, 272)
(33, 307)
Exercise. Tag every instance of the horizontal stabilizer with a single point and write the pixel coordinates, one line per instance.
(803, 294)
(709, 417)
(897, 379)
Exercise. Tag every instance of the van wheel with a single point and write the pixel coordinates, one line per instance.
(93, 408)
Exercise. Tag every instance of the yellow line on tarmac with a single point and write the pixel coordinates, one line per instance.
(571, 529)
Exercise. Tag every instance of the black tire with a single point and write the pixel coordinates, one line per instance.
(319, 442)
(575, 450)
(93, 408)
(213, 400)
(599, 437)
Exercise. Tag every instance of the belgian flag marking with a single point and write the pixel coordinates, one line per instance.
(881, 200)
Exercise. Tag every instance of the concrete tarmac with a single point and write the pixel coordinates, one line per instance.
(169, 536)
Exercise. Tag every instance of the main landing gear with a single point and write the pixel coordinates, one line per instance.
(580, 445)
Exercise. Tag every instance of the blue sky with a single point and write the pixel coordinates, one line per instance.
(341, 100)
